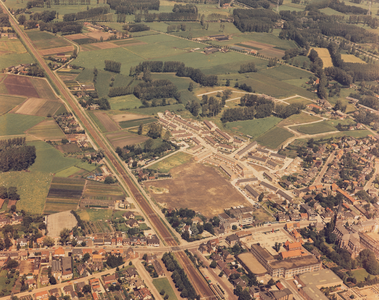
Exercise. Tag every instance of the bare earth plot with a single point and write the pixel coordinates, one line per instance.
(56, 50)
(104, 45)
(127, 117)
(39, 107)
(350, 58)
(20, 85)
(106, 121)
(197, 187)
(43, 88)
(124, 138)
(98, 34)
(77, 36)
(265, 49)
(56, 222)
(324, 54)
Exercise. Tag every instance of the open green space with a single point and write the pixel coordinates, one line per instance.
(86, 166)
(6, 288)
(45, 40)
(171, 162)
(164, 284)
(360, 274)
(47, 130)
(125, 102)
(7, 103)
(157, 109)
(352, 133)
(94, 215)
(274, 137)
(299, 100)
(49, 159)
(255, 127)
(97, 121)
(299, 119)
(137, 122)
(11, 124)
(32, 186)
(15, 59)
(315, 128)
(67, 172)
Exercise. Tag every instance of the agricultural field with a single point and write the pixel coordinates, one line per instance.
(49, 159)
(299, 100)
(349, 58)
(274, 137)
(137, 122)
(47, 130)
(197, 187)
(164, 284)
(7, 103)
(316, 128)
(177, 159)
(68, 172)
(64, 194)
(19, 85)
(106, 121)
(254, 128)
(324, 54)
(101, 191)
(94, 215)
(124, 138)
(45, 40)
(43, 88)
(298, 119)
(12, 124)
(11, 46)
(39, 107)
(32, 186)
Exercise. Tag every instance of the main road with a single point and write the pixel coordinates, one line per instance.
(197, 280)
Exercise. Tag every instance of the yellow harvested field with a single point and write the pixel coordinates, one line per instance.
(324, 54)
(349, 58)
(11, 46)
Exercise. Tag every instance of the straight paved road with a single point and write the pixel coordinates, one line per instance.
(157, 223)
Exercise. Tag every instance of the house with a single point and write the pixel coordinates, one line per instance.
(54, 292)
(143, 294)
(59, 252)
(77, 253)
(158, 268)
(67, 272)
(81, 269)
(31, 283)
(79, 286)
(153, 241)
(41, 295)
(22, 242)
(131, 273)
(132, 223)
(98, 258)
(128, 215)
(232, 240)
(68, 289)
(136, 283)
(110, 279)
(44, 280)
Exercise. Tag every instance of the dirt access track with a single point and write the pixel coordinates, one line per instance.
(197, 187)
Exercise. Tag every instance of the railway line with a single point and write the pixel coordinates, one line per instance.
(197, 280)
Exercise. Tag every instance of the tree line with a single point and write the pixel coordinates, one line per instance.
(135, 27)
(256, 20)
(45, 16)
(129, 7)
(112, 66)
(120, 91)
(87, 14)
(9, 193)
(16, 157)
(156, 90)
(179, 277)
(256, 3)
(248, 67)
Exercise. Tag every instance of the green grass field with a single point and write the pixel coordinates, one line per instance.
(155, 110)
(164, 284)
(298, 119)
(255, 127)
(47, 130)
(137, 122)
(94, 215)
(45, 40)
(315, 128)
(125, 102)
(49, 159)
(171, 162)
(67, 172)
(97, 121)
(15, 59)
(7, 103)
(299, 100)
(6, 288)
(32, 186)
(360, 274)
(11, 124)
(273, 138)
(86, 166)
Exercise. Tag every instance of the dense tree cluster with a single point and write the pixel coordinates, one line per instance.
(248, 67)
(86, 14)
(34, 3)
(114, 261)
(257, 20)
(112, 66)
(16, 155)
(252, 107)
(156, 90)
(45, 16)
(285, 111)
(179, 277)
(120, 91)
(9, 193)
(197, 75)
(257, 3)
(347, 9)
(135, 27)
(209, 107)
(129, 7)
(4, 20)
(159, 66)
(64, 27)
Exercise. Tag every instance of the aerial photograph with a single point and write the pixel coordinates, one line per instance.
(189, 149)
